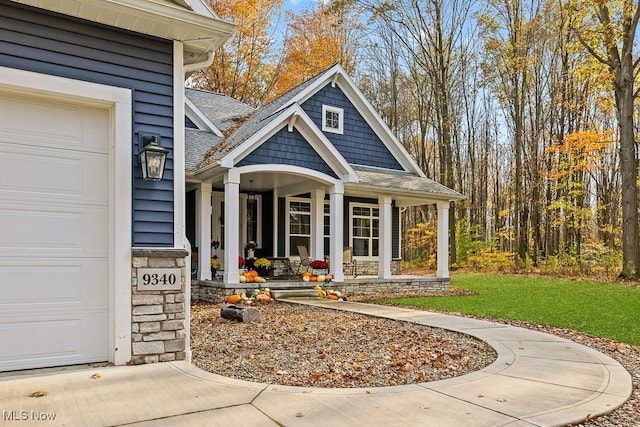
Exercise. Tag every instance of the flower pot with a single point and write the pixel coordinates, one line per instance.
(318, 271)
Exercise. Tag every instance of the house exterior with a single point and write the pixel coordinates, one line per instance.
(316, 167)
(92, 256)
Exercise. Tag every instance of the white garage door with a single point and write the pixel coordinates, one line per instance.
(54, 232)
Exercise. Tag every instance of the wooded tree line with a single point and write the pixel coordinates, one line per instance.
(525, 106)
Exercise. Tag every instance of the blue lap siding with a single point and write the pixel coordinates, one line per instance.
(288, 148)
(53, 44)
(359, 144)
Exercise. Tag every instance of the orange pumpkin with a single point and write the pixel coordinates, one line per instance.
(233, 299)
(313, 279)
(251, 279)
(333, 297)
(307, 274)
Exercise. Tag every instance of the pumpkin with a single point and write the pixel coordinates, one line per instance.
(263, 298)
(305, 278)
(321, 278)
(242, 279)
(313, 279)
(233, 299)
(250, 279)
(332, 296)
(328, 277)
(307, 274)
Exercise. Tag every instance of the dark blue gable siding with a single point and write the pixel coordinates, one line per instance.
(287, 148)
(48, 43)
(358, 144)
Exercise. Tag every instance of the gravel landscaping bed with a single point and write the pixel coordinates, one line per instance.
(313, 347)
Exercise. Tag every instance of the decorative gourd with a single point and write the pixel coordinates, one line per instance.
(263, 298)
(242, 279)
(321, 278)
(333, 297)
(328, 277)
(233, 299)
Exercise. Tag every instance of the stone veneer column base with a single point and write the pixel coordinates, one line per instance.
(158, 321)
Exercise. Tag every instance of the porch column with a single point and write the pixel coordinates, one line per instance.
(336, 200)
(317, 224)
(384, 238)
(231, 226)
(203, 195)
(443, 240)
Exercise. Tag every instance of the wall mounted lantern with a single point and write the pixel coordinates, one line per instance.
(152, 156)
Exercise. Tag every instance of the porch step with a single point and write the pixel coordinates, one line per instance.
(293, 293)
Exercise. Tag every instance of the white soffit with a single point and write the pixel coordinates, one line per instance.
(160, 18)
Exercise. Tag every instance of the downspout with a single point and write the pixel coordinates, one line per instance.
(191, 68)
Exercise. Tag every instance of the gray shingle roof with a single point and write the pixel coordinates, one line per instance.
(223, 111)
(404, 183)
(261, 118)
(197, 143)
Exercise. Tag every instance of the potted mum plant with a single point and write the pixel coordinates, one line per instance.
(262, 266)
(319, 266)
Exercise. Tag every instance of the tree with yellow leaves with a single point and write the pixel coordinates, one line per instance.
(241, 68)
(316, 39)
(607, 29)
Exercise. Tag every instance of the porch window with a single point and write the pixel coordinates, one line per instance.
(299, 225)
(332, 119)
(365, 230)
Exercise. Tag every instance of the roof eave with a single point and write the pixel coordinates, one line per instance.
(199, 33)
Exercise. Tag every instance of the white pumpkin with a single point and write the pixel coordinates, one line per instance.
(243, 278)
(305, 278)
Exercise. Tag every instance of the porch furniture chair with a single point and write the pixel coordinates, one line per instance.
(304, 259)
(348, 261)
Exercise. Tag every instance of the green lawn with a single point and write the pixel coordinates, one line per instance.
(607, 310)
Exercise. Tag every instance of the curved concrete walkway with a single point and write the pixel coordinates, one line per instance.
(537, 380)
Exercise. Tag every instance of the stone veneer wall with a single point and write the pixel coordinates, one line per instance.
(158, 323)
(216, 292)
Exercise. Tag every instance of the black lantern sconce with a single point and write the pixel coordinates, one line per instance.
(152, 156)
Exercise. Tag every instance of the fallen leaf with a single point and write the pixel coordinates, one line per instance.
(481, 395)
(95, 376)
(299, 414)
(501, 400)
(38, 393)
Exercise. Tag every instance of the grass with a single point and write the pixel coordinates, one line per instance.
(607, 310)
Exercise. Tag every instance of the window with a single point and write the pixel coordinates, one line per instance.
(332, 119)
(299, 225)
(365, 230)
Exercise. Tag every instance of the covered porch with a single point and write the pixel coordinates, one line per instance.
(280, 208)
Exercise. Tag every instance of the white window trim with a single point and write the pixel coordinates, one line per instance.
(287, 222)
(329, 109)
(350, 225)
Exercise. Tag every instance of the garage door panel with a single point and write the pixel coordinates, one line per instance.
(28, 172)
(50, 123)
(70, 339)
(53, 283)
(54, 232)
(33, 229)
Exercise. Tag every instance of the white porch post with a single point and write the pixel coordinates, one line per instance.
(203, 195)
(317, 224)
(275, 222)
(443, 240)
(385, 238)
(336, 200)
(231, 225)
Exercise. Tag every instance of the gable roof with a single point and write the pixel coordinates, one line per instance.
(408, 186)
(335, 75)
